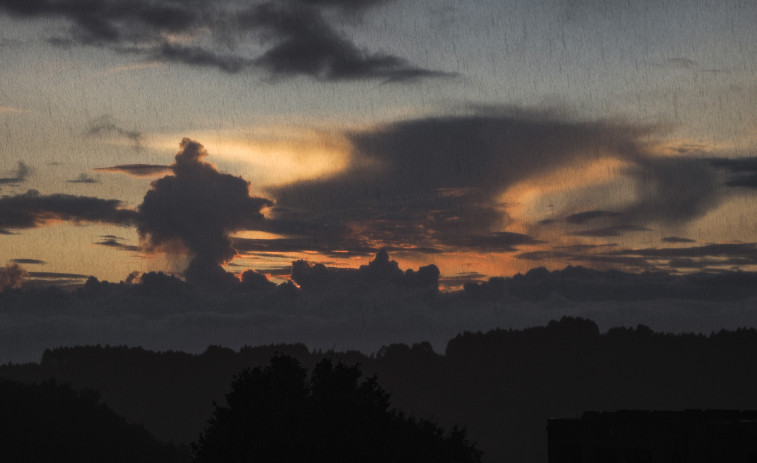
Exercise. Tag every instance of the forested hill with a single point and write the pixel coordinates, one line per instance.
(502, 385)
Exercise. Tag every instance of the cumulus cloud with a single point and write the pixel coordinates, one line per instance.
(299, 38)
(199, 207)
(380, 270)
(136, 170)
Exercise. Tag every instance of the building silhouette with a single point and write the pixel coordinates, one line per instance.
(634, 436)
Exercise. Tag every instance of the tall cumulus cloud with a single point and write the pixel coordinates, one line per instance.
(200, 207)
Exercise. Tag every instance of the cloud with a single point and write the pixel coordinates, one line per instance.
(20, 176)
(115, 242)
(32, 210)
(362, 308)
(676, 239)
(106, 125)
(603, 232)
(136, 170)
(673, 190)
(11, 277)
(742, 171)
(299, 38)
(28, 261)
(199, 207)
(57, 276)
(305, 44)
(438, 181)
(495, 241)
(11, 109)
(83, 178)
(380, 271)
(583, 217)
(715, 258)
(197, 56)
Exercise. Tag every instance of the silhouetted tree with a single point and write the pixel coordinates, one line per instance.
(50, 422)
(280, 414)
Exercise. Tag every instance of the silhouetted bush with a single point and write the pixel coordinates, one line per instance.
(280, 414)
(50, 422)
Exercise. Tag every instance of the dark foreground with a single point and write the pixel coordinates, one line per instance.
(502, 385)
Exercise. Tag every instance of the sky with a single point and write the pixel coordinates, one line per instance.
(204, 137)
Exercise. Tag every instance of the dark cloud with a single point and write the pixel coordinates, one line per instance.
(437, 181)
(603, 232)
(28, 261)
(338, 246)
(300, 40)
(744, 250)
(587, 216)
(199, 207)
(673, 190)
(11, 277)
(360, 308)
(345, 5)
(107, 125)
(742, 171)
(676, 239)
(110, 20)
(137, 170)
(20, 176)
(303, 43)
(57, 275)
(497, 241)
(711, 257)
(31, 210)
(380, 271)
(254, 281)
(83, 178)
(197, 56)
(114, 242)
(460, 279)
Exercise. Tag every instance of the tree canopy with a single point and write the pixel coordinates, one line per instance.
(281, 413)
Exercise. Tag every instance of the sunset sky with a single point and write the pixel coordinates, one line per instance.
(486, 137)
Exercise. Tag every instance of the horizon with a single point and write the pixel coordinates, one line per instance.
(214, 140)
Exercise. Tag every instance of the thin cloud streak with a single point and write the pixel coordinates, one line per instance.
(136, 170)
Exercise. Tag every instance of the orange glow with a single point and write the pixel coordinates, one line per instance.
(270, 156)
(538, 197)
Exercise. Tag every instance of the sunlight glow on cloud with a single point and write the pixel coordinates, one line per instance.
(271, 156)
(556, 192)
(13, 110)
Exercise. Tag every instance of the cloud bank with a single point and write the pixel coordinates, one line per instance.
(360, 308)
